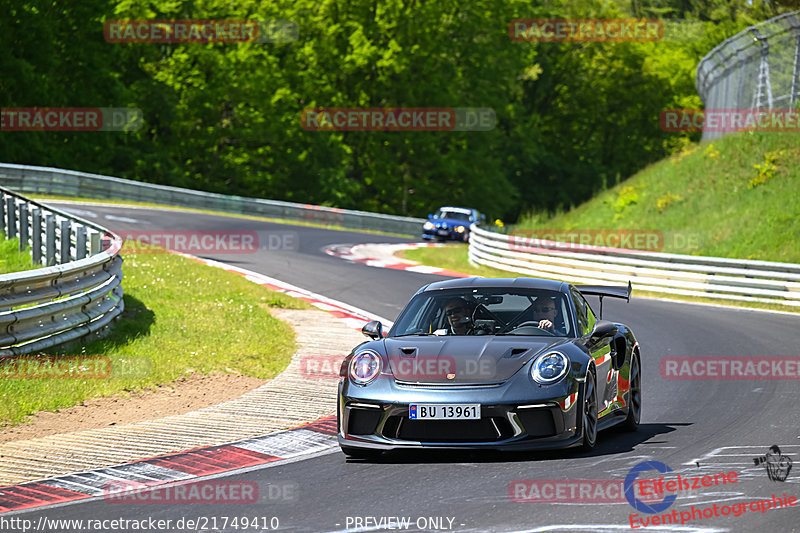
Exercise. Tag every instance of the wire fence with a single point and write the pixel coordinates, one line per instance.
(756, 69)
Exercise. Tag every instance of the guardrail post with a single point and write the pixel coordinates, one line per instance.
(65, 241)
(11, 217)
(80, 242)
(36, 236)
(3, 213)
(23, 226)
(50, 239)
(94, 243)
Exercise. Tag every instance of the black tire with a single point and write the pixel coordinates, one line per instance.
(631, 422)
(360, 453)
(589, 413)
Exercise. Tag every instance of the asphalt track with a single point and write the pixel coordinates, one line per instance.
(694, 427)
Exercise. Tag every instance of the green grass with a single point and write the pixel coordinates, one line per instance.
(452, 257)
(180, 317)
(11, 259)
(738, 197)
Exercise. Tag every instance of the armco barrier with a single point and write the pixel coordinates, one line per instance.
(77, 293)
(712, 277)
(42, 180)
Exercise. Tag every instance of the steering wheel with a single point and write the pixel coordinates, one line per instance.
(534, 324)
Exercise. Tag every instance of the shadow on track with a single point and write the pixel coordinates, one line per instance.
(610, 442)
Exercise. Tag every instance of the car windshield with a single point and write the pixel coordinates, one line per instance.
(457, 215)
(486, 311)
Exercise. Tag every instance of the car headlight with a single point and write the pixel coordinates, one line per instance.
(549, 368)
(364, 367)
(460, 229)
(428, 225)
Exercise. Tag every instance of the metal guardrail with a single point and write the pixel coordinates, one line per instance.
(79, 291)
(758, 68)
(42, 180)
(712, 277)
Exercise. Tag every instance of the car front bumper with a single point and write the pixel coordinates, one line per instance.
(450, 235)
(511, 419)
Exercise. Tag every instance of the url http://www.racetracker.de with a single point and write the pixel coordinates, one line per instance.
(201, 523)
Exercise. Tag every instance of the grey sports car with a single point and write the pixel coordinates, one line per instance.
(513, 364)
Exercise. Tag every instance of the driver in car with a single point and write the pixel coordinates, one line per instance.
(544, 312)
(459, 315)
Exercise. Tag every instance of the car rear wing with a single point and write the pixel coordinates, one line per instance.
(603, 290)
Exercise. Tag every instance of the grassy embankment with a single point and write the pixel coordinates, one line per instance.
(180, 317)
(736, 197)
(11, 259)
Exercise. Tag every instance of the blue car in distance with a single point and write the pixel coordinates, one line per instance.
(451, 223)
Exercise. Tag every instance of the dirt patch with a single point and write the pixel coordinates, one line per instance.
(181, 396)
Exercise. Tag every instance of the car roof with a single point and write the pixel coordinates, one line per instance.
(476, 283)
(457, 209)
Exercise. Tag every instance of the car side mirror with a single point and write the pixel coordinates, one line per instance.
(373, 330)
(602, 329)
(430, 216)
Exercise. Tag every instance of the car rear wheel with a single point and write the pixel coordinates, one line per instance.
(589, 413)
(634, 396)
(360, 453)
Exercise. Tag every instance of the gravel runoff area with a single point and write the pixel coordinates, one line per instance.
(291, 399)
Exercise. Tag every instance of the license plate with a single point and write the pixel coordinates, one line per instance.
(442, 232)
(444, 411)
